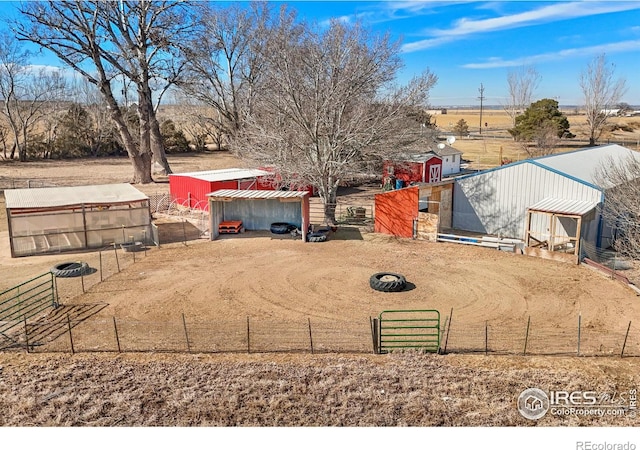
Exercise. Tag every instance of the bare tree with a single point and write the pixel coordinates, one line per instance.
(330, 106)
(27, 93)
(224, 62)
(602, 91)
(621, 179)
(126, 37)
(522, 84)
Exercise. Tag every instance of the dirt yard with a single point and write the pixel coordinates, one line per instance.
(254, 275)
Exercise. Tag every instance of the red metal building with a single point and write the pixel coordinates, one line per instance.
(422, 168)
(191, 189)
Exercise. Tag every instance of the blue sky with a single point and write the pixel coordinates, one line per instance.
(467, 44)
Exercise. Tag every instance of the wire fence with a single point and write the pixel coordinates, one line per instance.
(73, 329)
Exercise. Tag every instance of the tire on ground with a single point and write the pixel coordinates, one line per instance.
(281, 227)
(387, 282)
(70, 269)
(316, 237)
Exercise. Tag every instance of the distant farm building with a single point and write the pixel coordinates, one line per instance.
(410, 169)
(60, 219)
(551, 202)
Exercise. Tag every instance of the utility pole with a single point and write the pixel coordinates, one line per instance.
(481, 90)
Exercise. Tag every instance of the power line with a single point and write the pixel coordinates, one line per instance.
(481, 90)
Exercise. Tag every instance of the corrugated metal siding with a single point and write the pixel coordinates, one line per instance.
(495, 202)
(72, 195)
(260, 214)
(563, 206)
(233, 194)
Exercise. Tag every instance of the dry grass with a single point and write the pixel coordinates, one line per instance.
(285, 390)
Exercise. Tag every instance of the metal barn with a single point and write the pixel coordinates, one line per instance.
(551, 202)
(60, 219)
(190, 189)
(257, 210)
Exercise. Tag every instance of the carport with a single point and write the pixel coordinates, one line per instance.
(258, 209)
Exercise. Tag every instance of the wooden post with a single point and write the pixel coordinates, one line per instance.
(486, 338)
(374, 334)
(310, 335)
(186, 335)
(115, 329)
(526, 337)
(82, 280)
(446, 340)
(73, 350)
(579, 323)
(248, 337)
(624, 344)
(100, 257)
(115, 250)
(26, 332)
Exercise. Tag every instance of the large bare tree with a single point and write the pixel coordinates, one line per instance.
(103, 40)
(621, 179)
(329, 105)
(225, 60)
(27, 93)
(522, 83)
(602, 91)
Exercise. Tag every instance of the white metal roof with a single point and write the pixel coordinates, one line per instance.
(254, 194)
(583, 164)
(563, 206)
(72, 195)
(224, 174)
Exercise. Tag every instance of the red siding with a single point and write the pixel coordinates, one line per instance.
(395, 211)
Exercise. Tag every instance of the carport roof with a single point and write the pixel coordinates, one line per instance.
(257, 195)
(72, 195)
(563, 206)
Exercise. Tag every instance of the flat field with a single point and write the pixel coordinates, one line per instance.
(285, 280)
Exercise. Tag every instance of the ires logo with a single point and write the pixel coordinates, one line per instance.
(575, 398)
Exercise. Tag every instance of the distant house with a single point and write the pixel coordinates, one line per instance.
(552, 202)
(451, 159)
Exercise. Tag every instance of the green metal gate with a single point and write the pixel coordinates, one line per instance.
(409, 329)
(24, 301)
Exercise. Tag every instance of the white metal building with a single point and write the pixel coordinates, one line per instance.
(500, 201)
(58, 219)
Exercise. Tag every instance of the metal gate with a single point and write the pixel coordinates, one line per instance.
(21, 302)
(409, 329)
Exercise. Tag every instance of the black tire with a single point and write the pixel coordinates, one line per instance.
(70, 269)
(281, 228)
(316, 237)
(387, 282)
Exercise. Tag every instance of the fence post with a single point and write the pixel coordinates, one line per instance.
(26, 332)
(374, 334)
(310, 335)
(115, 250)
(446, 340)
(579, 323)
(100, 258)
(526, 337)
(248, 337)
(115, 329)
(624, 344)
(82, 280)
(73, 350)
(441, 332)
(186, 335)
(486, 337)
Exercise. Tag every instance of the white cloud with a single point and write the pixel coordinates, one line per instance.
(549, 13)
(617, 47)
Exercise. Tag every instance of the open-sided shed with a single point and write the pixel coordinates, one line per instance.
(59, 219)
(258, 209)
(190, 189)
